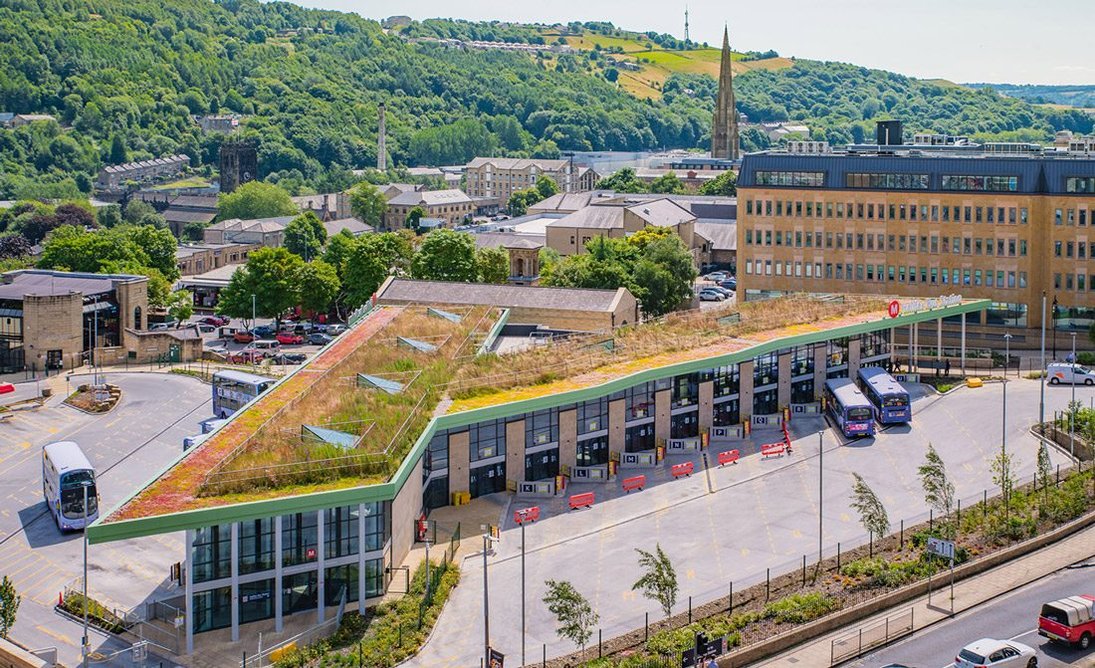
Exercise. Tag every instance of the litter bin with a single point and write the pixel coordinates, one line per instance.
(46, 393)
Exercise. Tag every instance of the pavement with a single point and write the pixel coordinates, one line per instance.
(728, 524)
(1002, 603)
(127, 446)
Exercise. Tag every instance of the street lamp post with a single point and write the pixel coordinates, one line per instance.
(1042, 375)
(1054, 328)
(1072, 408)
(85, 648)
(95, 345)
(1004, 419)
(486, 603)
(820, 488)
(253, 323)
(523, 629)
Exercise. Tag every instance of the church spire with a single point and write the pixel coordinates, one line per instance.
(724, 128)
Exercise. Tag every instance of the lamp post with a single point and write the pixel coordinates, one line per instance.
(95, 345)
(1072, 408)
(253, 323)
(1042, 375)
(486, 602)
(820, 488)
(1054, 328)
(84, 646)
(1004, 419)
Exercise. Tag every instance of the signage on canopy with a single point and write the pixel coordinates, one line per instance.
(929, 304)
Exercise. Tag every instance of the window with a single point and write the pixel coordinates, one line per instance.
(487, 439)
(685, 390)
(765, 369)
(592, 451)
(340, 531)
(639, 438)
(541, 427)
(766, 403)
(257, 600)
(437, 453)
(982, 183)
(836, 353)
(212, 609)
(884, 181)
(299, 538)
(376, 525)
(1080, 184)
(211, 553)
(726, 413)
(338, 578)
(640, 401)
(799, 179)
(684, 425)
(592, 415)
(726, 380)
(802, 360)
(542, 465)
(256, 548)
(802, 392)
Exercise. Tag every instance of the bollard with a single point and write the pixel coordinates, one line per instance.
(985, 505)
(689, 609)
(804, 570)
(646, 629)
(838, 557)
(958, 521)
(543, 664)
(600, 651)
(901, 535)
(1057, 485)
(731, 597)
(931, 520)
(870, 549)
(767, 584)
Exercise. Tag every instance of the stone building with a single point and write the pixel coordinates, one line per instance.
(501, 177)
(451, 206)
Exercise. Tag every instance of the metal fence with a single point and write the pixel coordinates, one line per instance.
(869, 636)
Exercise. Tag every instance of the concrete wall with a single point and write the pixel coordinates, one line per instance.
(662, 405)
(820, 374)
(406, 508)
(568, 438)
(459, 444)
(707, 404)
(515, 452)
(617, 415)
(783, 385)
(746, 393)
(853, 357)
(53, 323)
(13, 656)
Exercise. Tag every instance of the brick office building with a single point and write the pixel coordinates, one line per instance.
(1000, 222)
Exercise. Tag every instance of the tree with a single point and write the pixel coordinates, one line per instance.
(872, 514)
(255, 199)
(572, 611)
(1045, 468)
(446, 255)
(667, 183)
(520, 200)
(9, 605)
(159, 245)
(14, 246)
(193, 231)
(546, 187)
(75, 215)
(414, 217)
(938, 489)
(368, 203)
(305, 236)
(1003, 475)
(370, 260)
(658, 581)
(118, 152)
(109, 216)
(622, 181)
(180, 305)
(272, 276)
(724, 185)
(493, 264)
(137, 210)
(319, 285)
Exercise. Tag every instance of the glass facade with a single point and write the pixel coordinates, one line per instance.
(727, 413)
(212, 609)
(686, 390)
(340, 531)
(640, 401)
(887, 181)
(211, 553)
(541, 427)
(592, 415)
(592, 451)
(800, 179)
(765, 403)
(487, 439)
(726, 380)
(256, 549)
(542, 465)
(256, 600)
(337, 577)
(684, 425)
(639, 438)
(802, 391)
(765, 369)
(299, 538)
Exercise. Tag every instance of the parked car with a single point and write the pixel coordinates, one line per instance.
(268, 347)
(319, 339)
(290, 358)
(246, 356)
(987, 652)
(335, 329)
(1075, 374)
(243, 336)
(205, 328)
(711, 296)
(216, 320)
(1069, 620)
(716, 276)
(289, 338)
(263, 331)
(725, 293)
(303, 328)
(161, 326)
(730, 284)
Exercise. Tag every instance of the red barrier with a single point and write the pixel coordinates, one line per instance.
(684, 469)
(583, 500)
(773, 449)
(5, 388)
(729, 457)
(526, 515)
(633, 483)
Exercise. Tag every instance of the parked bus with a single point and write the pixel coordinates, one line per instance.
(65, 473)
(232, 390)
(890, 400)
(851, 410)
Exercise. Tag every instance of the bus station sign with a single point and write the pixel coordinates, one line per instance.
(929, 304)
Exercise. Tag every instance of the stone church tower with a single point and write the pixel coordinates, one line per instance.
(724, 128)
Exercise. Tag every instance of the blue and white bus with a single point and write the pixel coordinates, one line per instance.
(233, 389)
(66, 473)
(890, 400)
(851, 410)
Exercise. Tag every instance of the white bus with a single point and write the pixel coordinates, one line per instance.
(232, 390)
(65, 473)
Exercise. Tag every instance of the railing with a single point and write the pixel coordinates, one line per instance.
(302, 639)
(870, 636)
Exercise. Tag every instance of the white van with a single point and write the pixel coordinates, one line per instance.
(268, 347)
(1064, 373)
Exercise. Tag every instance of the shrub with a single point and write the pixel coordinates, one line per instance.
(801, 608)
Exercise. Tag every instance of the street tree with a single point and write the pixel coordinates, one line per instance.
(872, 514)
(9, 605)
(546, 187)
(493, 265)
(1003, 476)
(271, 276)
(938, 489)
(319, 285)
(573, 613)
(414, 218)
(371, 259)
(658, 581)
(446, 255)
(255, 199)
(180, 305)
(622, 181)
(368, 203)
(305, 236)
(1045, 469)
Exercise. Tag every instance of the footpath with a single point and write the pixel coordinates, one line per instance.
(968, 594)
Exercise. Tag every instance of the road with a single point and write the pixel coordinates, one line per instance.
(1014, 617)
(127, 446)
(762, 514)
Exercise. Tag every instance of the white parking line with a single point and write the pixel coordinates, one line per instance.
(1024, 633)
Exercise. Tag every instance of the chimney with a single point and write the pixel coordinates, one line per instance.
(382, 141)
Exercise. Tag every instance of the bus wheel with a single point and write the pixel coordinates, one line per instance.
(1053, 381)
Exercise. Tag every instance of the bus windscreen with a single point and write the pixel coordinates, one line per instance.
(860, 413)
(72, 494)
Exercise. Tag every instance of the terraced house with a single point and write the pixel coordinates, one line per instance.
(312, 493)
(1005, 223)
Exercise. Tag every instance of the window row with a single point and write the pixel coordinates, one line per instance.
(981, 183)
(875, 181)
(781, 178)
(1010, 247)
(1081, 250)
(1073, 217)
(887, 273)
(1078, 282)
(934, 213)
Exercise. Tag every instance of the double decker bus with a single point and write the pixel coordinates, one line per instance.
(890, 400)
(851, 410)
(67, 480)
(233, 389)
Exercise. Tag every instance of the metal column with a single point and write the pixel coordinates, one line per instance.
(963, 344)
(188, 577)
(234, 536)
(321, 595)
(278, 591)
(938, 345)
(361, 558)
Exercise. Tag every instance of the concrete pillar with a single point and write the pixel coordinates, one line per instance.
(234, 536)
(910, 360)
(188, 577)
(821, 363)
(938, 345)
(361, 558)
(707, 405)
(321, 548)
(916, 344)
(617, 416)
(515, 452)
(459, 444)
(746, 389)
(854, 354)
(962, 352)
(783, 384)
(278, 614)
(568, 438)
(662, 405)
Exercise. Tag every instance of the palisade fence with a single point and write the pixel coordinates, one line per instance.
(767, 583)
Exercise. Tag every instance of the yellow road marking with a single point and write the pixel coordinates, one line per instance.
(59, 637)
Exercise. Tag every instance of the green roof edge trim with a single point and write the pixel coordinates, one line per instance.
(100, 532)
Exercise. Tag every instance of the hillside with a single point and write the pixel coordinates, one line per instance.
(1080, 96)
(125, 77)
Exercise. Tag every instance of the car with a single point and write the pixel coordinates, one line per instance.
(990, 653)
(303, 328)
(162, 326)
(725, 293)
(216, 320)
(243, 336)
(290, 358)
(711, 296)
(246, 356)
(205, 328)
(319, 339)
(1069, 620)
(289, 338)
(716, 276)
(730, 283)
(1074, 374)
(263, 331)
(335, 329)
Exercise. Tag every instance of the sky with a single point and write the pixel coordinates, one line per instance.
(965, 41)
